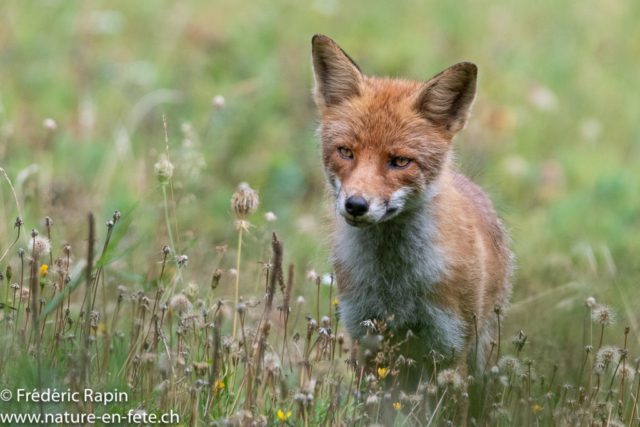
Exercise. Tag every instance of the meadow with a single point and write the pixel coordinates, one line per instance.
(94, 96)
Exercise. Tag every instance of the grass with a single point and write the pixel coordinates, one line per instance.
(553, 137)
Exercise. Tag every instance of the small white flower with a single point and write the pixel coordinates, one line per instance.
(49, 124)
(218, 102)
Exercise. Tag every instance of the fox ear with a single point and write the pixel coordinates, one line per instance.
(337, 77)
(446, 99)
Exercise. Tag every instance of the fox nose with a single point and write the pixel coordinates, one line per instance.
(356, 206)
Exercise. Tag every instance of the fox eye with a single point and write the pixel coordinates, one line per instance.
(400, 162)
(345, 152)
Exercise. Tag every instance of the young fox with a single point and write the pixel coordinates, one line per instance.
(416, 243)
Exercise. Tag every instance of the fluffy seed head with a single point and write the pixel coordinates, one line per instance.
(626, 372)
(449, 378)
(180, 303)
(508, 363)
(40, 245)
(608, 354)
(604, 315)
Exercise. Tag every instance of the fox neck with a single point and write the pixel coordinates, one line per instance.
(399, 255)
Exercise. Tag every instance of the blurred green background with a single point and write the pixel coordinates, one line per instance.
(554, 137)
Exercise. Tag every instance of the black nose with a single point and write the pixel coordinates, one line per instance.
(356, 206)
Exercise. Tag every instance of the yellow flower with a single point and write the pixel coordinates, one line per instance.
(397, 406)
(537, 408)
(382, 372)
(43, 269)
(335, 303)
(283, 416)
(218, 386)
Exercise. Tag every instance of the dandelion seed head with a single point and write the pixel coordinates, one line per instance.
(432, 389)
(372, 399)
(608, 354)
(604, 315)
(508, 363)
(39, 245)
(180, 303)
(449, 378)
(626, 372)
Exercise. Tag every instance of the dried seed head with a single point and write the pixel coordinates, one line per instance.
(590, 302)
(34, 232)
(180, 303)
(109, 224)
(166, 250)
(95, 319)
(509, 364)
(18, 223)
(372, 399)
(24, 295)
(215, 281)
(191, 291)
(40, 245)
(432, 389)
(221, 249)
(604, 315)
(182, 260)
(48, 222)
(116, 216)
(270, 216)
(244, 202)
(626, 372)
(272, 363)
(450, 378)
(241, 307)
(608, 354)
(164, 171)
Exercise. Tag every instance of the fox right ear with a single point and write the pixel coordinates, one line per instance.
(337, 77)
(447, 98)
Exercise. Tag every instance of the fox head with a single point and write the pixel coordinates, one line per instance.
(385, 141)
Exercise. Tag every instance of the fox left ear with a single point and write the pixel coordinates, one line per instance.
(338, 78)
(446, 99)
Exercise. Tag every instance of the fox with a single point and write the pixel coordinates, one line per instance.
(413, 242)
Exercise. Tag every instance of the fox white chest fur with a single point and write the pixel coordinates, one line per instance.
(389, 271)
